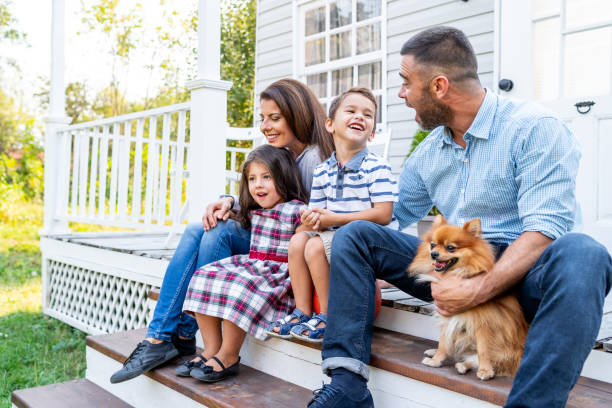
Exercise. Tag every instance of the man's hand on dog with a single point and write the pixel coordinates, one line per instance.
(453, 295)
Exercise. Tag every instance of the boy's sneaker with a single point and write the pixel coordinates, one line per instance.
(145, 357)
(185, 347)
(347, 390)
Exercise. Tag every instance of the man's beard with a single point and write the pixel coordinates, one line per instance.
(431, 112)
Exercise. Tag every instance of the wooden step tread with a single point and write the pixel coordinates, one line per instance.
(80, 393)
(402, 354)
(250, 388)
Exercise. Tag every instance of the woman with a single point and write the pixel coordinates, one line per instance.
(291, 118)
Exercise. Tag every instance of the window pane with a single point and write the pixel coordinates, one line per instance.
(368, 38)
(545, 7)
(370, 75)
(315, 21)
(379, 109)
(342, 80)
(368, 9)
(587, 63)
(315, 52)
(546, 45)
(340, 13)
(340, 45)
(318, 84)
(584, 12)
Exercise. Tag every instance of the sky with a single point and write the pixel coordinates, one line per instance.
(86, 58)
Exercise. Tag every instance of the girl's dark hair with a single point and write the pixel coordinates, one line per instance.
(303, 112)
(284, 172)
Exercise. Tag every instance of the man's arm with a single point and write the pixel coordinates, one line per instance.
(454, 295)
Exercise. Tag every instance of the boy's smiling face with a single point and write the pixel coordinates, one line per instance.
(354, 122)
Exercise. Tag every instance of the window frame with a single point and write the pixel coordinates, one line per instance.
(301, 71)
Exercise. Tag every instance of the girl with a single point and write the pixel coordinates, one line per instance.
(246, 293)
(291, 118)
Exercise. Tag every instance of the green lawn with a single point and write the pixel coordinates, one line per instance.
(34, 349)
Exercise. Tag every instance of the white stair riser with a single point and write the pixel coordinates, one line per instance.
(141, 392)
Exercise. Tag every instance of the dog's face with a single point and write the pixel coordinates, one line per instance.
(452, 249)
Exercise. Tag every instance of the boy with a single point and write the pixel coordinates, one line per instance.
(353, 184)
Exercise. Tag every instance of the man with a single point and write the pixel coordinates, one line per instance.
(511, 164)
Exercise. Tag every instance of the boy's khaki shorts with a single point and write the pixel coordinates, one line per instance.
(326, 237)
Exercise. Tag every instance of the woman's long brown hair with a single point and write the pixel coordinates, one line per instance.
(284, 172)
(303, 112)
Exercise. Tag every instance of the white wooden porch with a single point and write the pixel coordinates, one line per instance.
(151, 172)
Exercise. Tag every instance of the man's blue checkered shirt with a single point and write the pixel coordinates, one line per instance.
(517, 173)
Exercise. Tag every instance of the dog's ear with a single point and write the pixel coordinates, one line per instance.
(473, 227)
(438, 221)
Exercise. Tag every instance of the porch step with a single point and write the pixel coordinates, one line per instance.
(80, 393)
(397, 375)
(252, 388)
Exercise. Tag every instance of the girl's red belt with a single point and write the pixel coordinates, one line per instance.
(263, 256)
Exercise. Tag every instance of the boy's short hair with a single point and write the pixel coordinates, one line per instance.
(365, 92)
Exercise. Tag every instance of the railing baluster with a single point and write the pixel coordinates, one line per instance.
(83, 168)
(177, 195)
(150, 159)
(76, 151)
(124, 168)
(136, 189)
(93, 172)
(163, 173)
(103, 171)
(112, 200)
(63, 187)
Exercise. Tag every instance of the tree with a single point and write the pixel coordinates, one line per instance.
(238, 58)
(120, 27)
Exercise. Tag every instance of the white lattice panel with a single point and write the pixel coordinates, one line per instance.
(97, 301)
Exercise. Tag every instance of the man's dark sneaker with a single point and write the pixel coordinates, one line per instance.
(185, 347)
(145, 357)
(331, 396)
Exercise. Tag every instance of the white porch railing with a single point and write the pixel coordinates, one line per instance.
(126, 171)
(130, 170)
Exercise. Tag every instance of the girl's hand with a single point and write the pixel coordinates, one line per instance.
(325, 218)
(219, 210)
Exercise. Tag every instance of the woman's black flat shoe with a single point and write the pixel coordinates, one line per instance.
(184, 369)
(211, 376)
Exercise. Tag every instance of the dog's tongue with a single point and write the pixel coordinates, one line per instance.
(439, 265)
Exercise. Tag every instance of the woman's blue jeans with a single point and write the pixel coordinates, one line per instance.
(562, 297)
(195, 249)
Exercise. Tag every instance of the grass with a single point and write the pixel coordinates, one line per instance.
(34, 349)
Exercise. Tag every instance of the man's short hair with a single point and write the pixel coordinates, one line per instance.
(365, 92)
(445, 48)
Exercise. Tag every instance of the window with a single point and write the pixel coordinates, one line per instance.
(572, 48)
(341, 46)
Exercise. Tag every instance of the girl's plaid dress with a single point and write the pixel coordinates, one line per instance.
(251, 291)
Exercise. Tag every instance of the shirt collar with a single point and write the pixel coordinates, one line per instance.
(481, 125)
(354, 163)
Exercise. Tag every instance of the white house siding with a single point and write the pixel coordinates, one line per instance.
(274, 54)
(408, 17)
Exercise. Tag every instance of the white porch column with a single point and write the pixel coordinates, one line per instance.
(56, 120)
(206, 160)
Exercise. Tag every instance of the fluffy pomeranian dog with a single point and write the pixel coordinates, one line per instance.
(490, 336)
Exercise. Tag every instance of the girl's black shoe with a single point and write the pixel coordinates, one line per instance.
(207, 374)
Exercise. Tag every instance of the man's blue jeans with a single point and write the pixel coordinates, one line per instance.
(562, 296)
(195, 249)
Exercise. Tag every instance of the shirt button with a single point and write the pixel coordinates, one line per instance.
(465, 160)
(462, 190)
